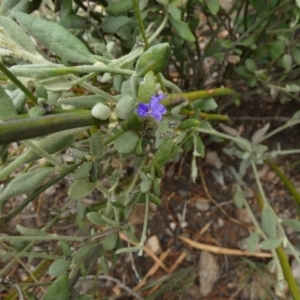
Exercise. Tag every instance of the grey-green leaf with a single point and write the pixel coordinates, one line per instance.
(83, 170)
(271, 244)
(58, 267)
(95, 218)
(18, 41)
(126, 143)
(269, 222)
(113, 24)
(294, 224)
(83, 101)
(146, 185)
(29, 231)
(7, 106)
(110, 241)
(59, 289)
(96, 145)
(56, 38)
(25, 183)
(81, 188)
(239, 198)
(252, 241)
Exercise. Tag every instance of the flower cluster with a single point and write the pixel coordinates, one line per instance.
(153, 108)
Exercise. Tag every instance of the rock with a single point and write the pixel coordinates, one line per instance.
(153, 244)
(208, 272)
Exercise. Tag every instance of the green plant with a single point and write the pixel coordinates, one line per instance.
(104, 93)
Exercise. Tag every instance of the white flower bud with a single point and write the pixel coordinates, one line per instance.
(101, 111)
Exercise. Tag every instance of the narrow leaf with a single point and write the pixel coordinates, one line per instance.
(29, 231)
(183, 30)
(25, 183)
(96, 145)
(56, 38)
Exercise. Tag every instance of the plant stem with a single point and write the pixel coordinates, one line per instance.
(21, 129)
(18, 83)
(140, 22)
(285, 181)
(288, 275)
(172, 99)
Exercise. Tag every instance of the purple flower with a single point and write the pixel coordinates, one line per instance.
(153, 108)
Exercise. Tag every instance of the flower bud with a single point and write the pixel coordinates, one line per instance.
(101, 111)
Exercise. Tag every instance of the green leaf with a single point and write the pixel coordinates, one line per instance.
(154, 199)
(163, 152)
(59, 289)
(82, 253)
(287, 62)
(29, 231)
(296, 54)
(269, 222)
(56, 38)
(249, 41)
(96, 145)
(83, 101)
(110, 241)
(271, 244)
(296, 116)
(96, 218)
(74, 21)
(25, 183)
(58, 267)
(7, 106)
(174, 12)
(213, 6)
(147, 87)
(66, 249)
(294, 224)
(126, 143)
(114, 24)
(6, 5)
(239, 198)
(183, 30)
(208, 104)
(276, 49)
(18, 41)
(146, 185)
(81, 188)
(252, 241)
(250, 65)
(125, 107)
(154, 59)
(83, 170)
(119, 7)
(199, 145)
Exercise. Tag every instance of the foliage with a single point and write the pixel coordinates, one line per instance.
(99, 83)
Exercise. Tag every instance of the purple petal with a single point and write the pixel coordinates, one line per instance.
(143, 109)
